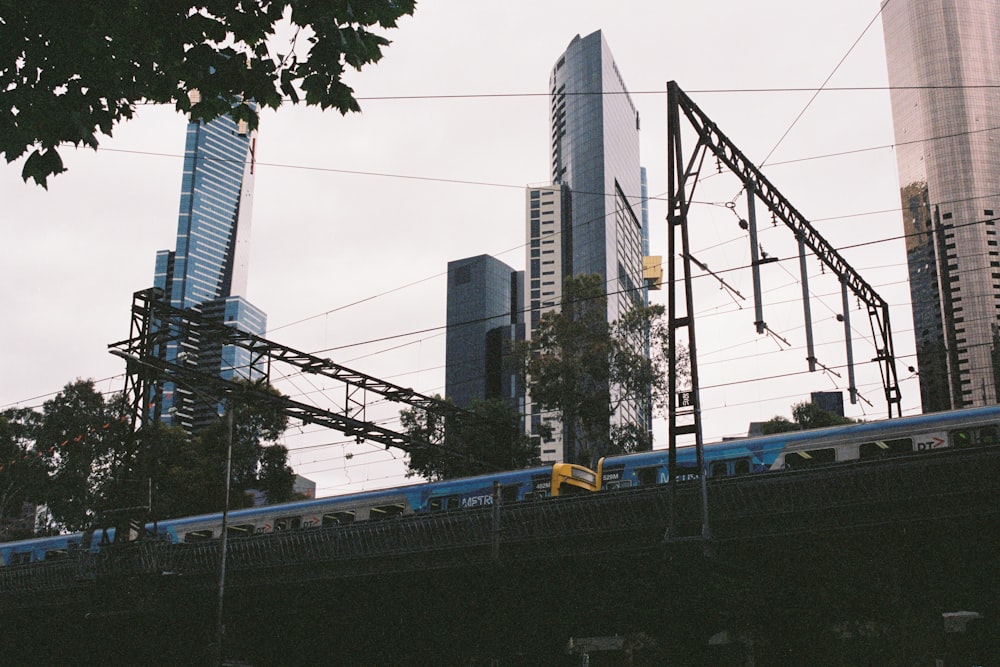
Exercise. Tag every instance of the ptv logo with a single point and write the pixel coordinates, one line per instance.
(931, 442)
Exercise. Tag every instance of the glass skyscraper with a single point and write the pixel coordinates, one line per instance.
(207, 271)
(944, 64)
(485, 303)
(590, 220)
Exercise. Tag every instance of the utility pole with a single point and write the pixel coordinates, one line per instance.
(220, 624)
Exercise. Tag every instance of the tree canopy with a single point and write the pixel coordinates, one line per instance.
(489, 438)
(588, 370)
(69, 71)
(806, 415)
(69, 458)
(22, 474)
(192, 477)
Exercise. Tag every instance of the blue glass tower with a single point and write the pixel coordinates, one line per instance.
(207, 271)
(484, 316)
(595, 154)
(592, 219)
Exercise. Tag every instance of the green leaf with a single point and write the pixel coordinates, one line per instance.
(40, 165)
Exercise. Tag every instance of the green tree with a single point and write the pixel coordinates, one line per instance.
(69, 71)
(488, 437)
(22, 473)
(79, 434)
(184, 477)
(805, 416)
(191, 478)
(92, 467)
(587, 369)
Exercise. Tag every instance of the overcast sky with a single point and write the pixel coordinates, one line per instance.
(355, 218)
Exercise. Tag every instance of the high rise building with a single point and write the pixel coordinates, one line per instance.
(208, 269)
(944, 63)
(590, 219)
(485, 304)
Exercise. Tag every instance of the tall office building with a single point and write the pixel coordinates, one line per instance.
(207, 271)
(590, 220)
(485, 304)
(944, 64)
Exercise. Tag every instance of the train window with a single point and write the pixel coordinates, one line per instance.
(741, 467)
(984, 435)
(442, 503)
(570, 490)
(508, 493)
(961, 438)
(646, 476)
(198, 535)
(288, 523)
(812, 457)
(56, 554)
(22, 558)
(884, 448)
(341, 518)
(243, 530)
(718, 469)
(385, 511)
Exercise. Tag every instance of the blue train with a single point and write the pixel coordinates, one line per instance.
(801, 449)
(904, 436)
(518, 485)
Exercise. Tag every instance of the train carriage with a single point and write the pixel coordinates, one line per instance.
(448, 495)
(801, 449)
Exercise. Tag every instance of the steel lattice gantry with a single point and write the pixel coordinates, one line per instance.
(682, 173)
(154, 321)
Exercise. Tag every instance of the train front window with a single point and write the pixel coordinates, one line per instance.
(570, 489)
(719, 469)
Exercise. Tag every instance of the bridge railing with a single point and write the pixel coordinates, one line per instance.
(847, 496)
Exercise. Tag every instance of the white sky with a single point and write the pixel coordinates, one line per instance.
(324, 239)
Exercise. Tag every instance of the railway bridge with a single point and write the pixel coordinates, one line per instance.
(877, 562)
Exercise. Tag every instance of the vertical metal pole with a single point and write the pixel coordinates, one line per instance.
(758, 307)
(220, 626)
(851, 387)
(496, 521)
(706, 531)
(806, 309)
(677, 221)
(675, 213)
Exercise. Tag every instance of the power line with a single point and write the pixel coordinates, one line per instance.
(821, 88)
(698, 91)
